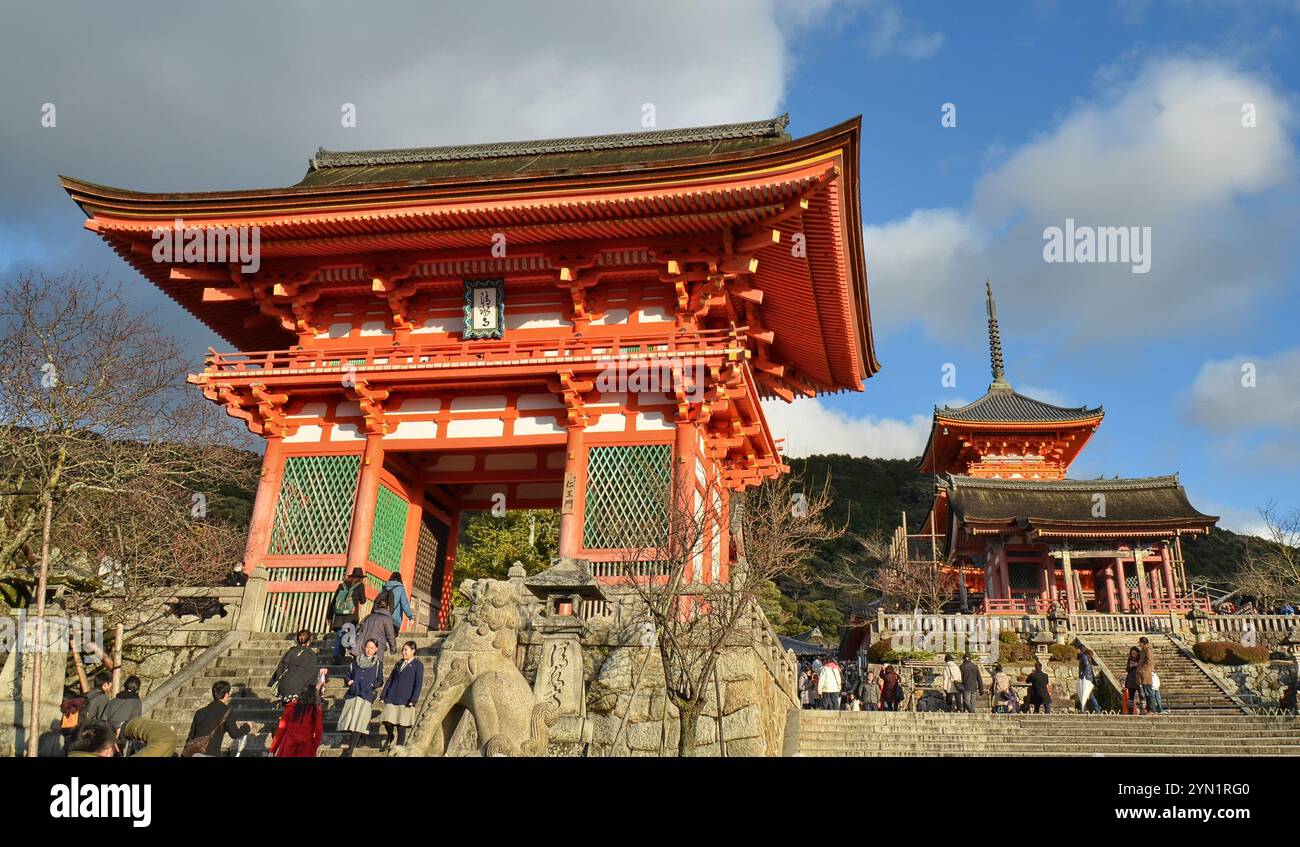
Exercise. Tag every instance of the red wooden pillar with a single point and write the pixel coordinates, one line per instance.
(363, 511)
(1068, 572)
(1167, 568)
(268, 491)
(1144, 591)
(1004, 570)
(449, 568)
(1110, 587)
(683, 493)
(724, 543)
(574, 495)
(1123, 585)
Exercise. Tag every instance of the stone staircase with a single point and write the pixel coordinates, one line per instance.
(1184, 687)
(248, 668)
(849, 734)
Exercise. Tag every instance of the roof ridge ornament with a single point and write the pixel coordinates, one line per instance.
(995, 343)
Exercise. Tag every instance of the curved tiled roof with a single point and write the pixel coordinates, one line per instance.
(1145, 500)
(331, 167)
(1006, 404)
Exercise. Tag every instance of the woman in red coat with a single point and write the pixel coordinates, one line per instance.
(301, 727)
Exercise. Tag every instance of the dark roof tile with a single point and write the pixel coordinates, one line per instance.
(330, 167)
(1006, 405)
(1026, 501)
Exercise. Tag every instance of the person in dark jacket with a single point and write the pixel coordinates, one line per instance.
(972, 681)
(345, 608)
(297, 669)
(126, 706)
(1040, 691)
(1132, 686)
(1087, 680)
(363, 678)
(150, 738)
(401, 695)
(379, 626)
(891, 689)
(97, 699)
(217, 719)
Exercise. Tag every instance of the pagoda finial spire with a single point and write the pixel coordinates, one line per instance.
(995, 341)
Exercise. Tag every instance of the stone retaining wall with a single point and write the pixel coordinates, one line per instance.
(628, 712)
(1259, 685)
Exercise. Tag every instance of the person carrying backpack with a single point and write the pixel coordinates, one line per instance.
(345, 609)
(394, 593)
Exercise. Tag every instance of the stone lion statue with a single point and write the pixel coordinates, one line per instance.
(475, 671)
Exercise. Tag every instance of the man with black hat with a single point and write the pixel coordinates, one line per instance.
(345, 608)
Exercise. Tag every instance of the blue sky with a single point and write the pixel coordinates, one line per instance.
(1114, 114)
(1168, 375)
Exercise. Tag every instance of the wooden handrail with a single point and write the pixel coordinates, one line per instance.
(465, 351)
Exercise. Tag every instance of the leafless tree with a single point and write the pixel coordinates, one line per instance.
(777, 528)
(98, 424)
(1270, 568)
(888, 569)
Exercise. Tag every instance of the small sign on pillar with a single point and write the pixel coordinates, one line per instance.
(569, 494)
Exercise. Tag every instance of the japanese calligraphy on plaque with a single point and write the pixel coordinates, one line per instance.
(569, 494)
(485, 308)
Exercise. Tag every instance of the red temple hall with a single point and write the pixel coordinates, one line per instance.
(1018, 537)
(534, 325)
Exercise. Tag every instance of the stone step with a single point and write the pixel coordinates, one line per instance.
(1055, 754)
(1074, 720)
(813, 732)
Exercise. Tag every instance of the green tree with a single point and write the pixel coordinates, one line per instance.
(489, 544)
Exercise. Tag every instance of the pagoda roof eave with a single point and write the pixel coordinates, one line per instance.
(306, 218)
(1060, 508)
(94, 197)
(1000, 425)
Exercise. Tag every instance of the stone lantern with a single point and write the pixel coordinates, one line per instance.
(1059, 624)
(562, 588)
(1042, 640)
(1196, 618)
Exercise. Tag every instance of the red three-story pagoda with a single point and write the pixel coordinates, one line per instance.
(429, 331)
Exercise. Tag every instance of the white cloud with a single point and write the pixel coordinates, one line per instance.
(1252, 427)
(164, 101)
(1248, 393)
(890, 33)
(1162, 148)
(811, 428)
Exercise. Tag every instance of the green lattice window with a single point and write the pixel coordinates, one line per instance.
(314, 511)
(428, 555)
(627, 496)
(390, 529)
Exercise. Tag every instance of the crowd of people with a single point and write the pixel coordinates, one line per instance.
(824, 684)
(99, 724)
(1248, 605)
